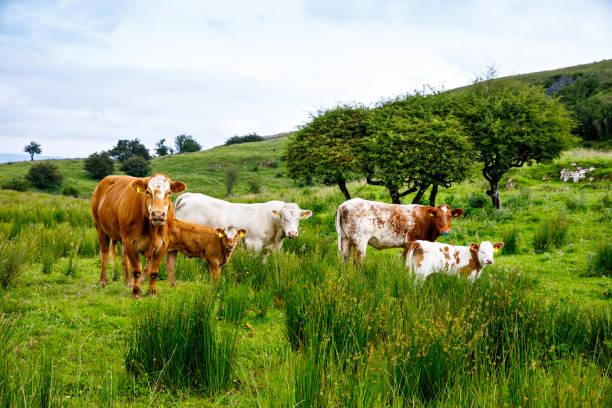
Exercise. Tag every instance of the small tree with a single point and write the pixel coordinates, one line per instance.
(415, 144)
(161, 149)
(33, 148)
(186, 144)
(99, 165)
(330, 147)
(128, 148)
(136, 166)
(251, 137)
(510, 124)
(44, 175)
(231, 179)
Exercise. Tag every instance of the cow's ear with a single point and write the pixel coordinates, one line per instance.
(431, 211)
(457, 212)
(276, 213)
(306, 214)
(474, 246)
(220, 232)
(140, 185)
(177, 187)
(241, 232)
(497, 246)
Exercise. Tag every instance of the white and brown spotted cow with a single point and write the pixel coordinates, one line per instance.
(361, 222)
(426, 257)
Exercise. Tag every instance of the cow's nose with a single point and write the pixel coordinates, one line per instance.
(292, 234)
(446, 233)
(489, 261)
(158, 214)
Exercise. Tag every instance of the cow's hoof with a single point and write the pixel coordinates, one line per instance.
(128, 284)
(102, 283)
(136, 293)
(152, 293)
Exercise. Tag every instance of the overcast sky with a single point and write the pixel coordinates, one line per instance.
(76, 76)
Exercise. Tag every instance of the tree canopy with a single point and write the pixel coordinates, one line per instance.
(330, 147)
(186, 144)
(128, 148)
(161, 149)
(33, 148)
(510, 124)
(99, 165)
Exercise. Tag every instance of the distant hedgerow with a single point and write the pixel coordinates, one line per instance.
(251, 137)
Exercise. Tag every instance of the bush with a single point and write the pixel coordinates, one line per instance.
(44, 175)
(231, 179)
(550, 233)
(99, 165)
(254, 187)
(251, 137)
(186, 144)
(136, 166)
(12, 259)
(17, 184)
(601, 262)
(128, 148)
(476, 200)
(70, 191)
(177, 343)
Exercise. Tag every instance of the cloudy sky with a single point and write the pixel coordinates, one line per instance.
(76, 76)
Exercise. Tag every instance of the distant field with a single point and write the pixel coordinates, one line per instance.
(535, 330)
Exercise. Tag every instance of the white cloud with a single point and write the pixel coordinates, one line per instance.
(79, 76)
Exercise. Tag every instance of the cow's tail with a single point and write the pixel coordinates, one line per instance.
(339, 231)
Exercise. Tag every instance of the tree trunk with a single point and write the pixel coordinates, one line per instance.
(342, 185)
(432, 195)
(494, 193)
(419, 195)
(31, 156)
(395, 196)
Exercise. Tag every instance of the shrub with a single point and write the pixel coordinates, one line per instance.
(17, 184)
(231, 179)
(251, 137)
(476, 200)
(44, 175)
(254, 187)
(511, 241)
(601, 262)
(70, 191)
(12, 259)
(550, 233)
(574, 203)
(177, 343)
(99, 165)
(186, 144)
(136, 166)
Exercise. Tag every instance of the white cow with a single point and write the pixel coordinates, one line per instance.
(425, 258)
(267, 224)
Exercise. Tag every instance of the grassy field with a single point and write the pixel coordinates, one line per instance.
(304, 330)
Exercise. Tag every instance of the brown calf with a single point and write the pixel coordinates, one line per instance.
(199, 241)
(138, 212)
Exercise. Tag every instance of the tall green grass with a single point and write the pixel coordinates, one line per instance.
(552, 233)
(12, 258)
(177, 344)
(600, 263)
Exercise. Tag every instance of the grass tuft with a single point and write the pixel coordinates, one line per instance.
(550, 233)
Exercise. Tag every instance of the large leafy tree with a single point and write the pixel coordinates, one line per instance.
(33, 148)
(329, 148)
(186, 144)
(128, 148)
(416, 143)
(512, 124)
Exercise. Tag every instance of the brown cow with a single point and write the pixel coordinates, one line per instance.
(138, 212)
(361, 222)
(199, 241)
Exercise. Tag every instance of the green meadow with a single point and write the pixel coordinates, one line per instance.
(304, 330)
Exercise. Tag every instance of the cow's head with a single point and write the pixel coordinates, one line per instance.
(289, 216)
(229, 236)
(442, 217)
(485, 250)
(157, 189)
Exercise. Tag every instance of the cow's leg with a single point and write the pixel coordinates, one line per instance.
(127, 280)
(215, 269)
(105, 242)
(153, 269)
(170, 264)
(345, 246)
(132, 256)
(360, 251)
